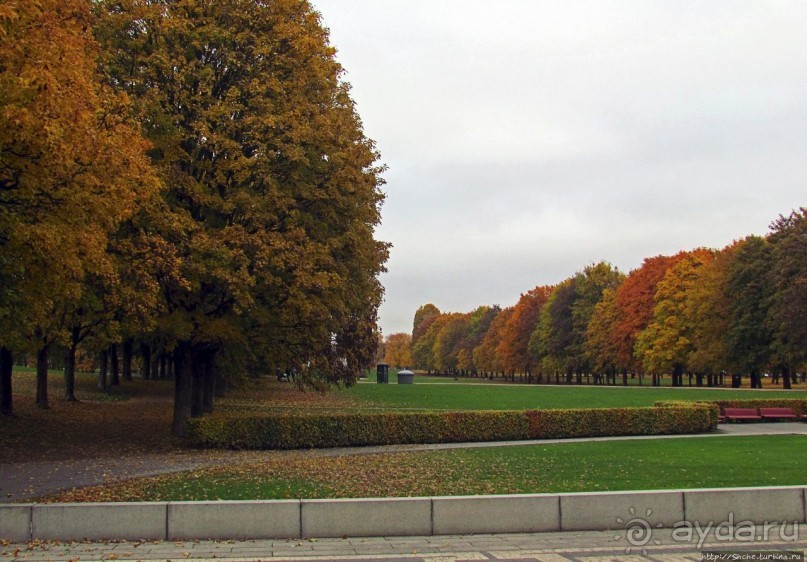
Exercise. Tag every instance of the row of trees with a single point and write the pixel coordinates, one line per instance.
(705, 312)
(183, 177)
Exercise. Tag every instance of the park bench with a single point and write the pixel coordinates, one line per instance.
(777, 413)
(737, 414)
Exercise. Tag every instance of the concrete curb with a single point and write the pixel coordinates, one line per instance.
(461, 515)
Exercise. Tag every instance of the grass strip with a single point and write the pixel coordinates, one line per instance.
(643, 464)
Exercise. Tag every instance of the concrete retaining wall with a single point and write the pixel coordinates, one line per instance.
(233, 520)
(77, 521)
(366, 517)
(15, 522)
(400, 516)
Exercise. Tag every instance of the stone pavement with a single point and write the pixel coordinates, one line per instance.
(590, 546)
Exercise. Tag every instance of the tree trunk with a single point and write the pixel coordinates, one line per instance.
(163, 365)
(6, 368)
(42, 378)
(198, 361)
(756, 379)
(183, 388)
(209, 401)
(222, 385)
(127, 360)
(114, 367)
(786, 378)
(145, 356)
(103, 365)
(70, 374)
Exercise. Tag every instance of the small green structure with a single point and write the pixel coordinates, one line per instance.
(382, 373)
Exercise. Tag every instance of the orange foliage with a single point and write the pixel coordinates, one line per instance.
(513, 346)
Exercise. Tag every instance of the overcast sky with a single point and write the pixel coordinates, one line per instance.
(528, 139)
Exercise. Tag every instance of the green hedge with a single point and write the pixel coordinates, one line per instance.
(361, 429)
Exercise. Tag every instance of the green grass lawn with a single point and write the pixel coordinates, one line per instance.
(521, 397)
(644, 464)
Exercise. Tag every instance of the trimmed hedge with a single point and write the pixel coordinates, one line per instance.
(390, 428)
(606, 422)
(799, 407)
(714, 409)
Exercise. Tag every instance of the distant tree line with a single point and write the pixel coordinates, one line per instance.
(184, 184)
(704, 314)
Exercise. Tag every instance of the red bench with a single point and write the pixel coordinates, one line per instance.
(777, 413)
(736, 414)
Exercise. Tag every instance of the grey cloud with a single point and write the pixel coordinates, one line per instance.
(526, 139)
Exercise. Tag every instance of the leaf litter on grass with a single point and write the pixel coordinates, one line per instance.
(573, 467)
(403, 474)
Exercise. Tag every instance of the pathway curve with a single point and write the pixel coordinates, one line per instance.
(27, 480)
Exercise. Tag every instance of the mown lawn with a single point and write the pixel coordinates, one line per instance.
(522, 397)
(692, 462)
(136, 416)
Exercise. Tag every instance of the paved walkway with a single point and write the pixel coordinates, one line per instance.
(661, 544)
(29, 480)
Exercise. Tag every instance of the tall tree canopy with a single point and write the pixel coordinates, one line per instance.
(665, 345)
(787, 314)
(634, 300)
(72, 168)
(273, 191)
(398, 350)
(424, 316)
(514, 347)
(749, 288)
(486, 357)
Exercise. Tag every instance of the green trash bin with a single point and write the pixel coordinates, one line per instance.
(382, 373)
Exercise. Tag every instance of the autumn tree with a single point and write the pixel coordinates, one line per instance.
(398, 348)
(601, 345)
(479, 321)
(665, 345)
(72, 168)
(750, 290)
(273, 189)
(591, 283)
(634, 302)
(449, 340)
(485, 355)
(559, 339)
(552, 340)
(513, 347)
(424, 316)
(706, 311)
(423, 351)
(789, 304)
